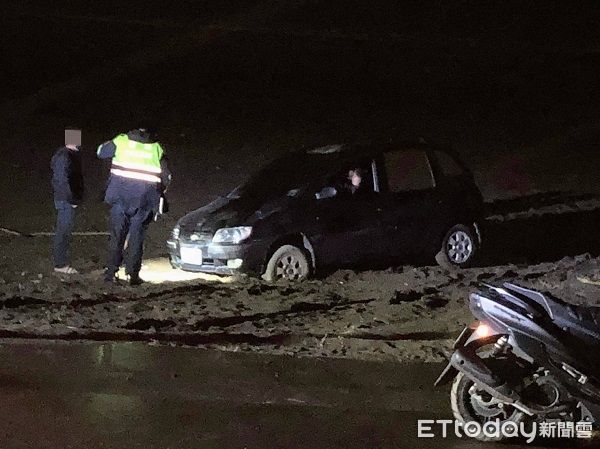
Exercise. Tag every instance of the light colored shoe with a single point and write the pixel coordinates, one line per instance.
(66, 270)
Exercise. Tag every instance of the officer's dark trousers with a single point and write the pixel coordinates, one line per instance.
(65, 219)
(126, 220)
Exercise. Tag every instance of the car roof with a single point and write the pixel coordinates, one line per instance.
(353, 151)
(320, 160)
(348, 151)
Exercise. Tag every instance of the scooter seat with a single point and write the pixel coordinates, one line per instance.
(583, 321)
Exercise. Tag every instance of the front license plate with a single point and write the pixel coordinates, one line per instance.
(191, 255)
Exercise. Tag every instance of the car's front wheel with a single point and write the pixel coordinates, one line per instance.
(459, 247)
(287, 262)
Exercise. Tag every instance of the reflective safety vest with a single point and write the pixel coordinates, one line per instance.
(136, 160)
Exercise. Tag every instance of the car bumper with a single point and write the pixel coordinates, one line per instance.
(221, 259)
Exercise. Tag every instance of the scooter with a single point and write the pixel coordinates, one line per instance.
(528, 358)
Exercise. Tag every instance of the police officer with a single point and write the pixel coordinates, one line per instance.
(139, 174)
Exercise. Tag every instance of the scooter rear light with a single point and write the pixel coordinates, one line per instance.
(483, 331)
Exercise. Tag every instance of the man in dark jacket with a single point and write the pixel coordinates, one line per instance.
(67, 184)
(139, 175)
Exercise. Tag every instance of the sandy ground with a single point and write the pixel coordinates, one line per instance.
(403, 313)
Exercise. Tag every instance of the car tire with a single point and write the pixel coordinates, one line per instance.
(288, 262)
(459, 248)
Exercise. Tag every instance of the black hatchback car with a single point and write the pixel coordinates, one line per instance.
(337, 206)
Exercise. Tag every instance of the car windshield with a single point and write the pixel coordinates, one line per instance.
(287, 175)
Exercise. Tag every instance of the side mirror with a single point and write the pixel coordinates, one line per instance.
(326, 192)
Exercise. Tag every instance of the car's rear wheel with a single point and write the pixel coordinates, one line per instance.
(289, 263)
(459, 247)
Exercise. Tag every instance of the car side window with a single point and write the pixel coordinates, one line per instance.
(448, 165)
(408, 170)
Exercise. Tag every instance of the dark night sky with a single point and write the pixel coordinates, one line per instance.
(507, 83)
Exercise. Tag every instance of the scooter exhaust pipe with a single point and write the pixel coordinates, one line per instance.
(471, 365)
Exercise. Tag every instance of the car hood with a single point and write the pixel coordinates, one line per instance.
(227, 212)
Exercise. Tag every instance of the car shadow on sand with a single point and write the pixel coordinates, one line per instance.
(540, 228)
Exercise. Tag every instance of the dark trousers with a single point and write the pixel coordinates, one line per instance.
(127, 221)
(65, 220)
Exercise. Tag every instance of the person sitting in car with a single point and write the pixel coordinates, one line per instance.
(355, 176)
(351, 182)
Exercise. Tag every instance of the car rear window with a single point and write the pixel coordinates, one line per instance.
(448, 165)
(408, 170)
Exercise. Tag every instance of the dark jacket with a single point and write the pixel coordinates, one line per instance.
(131, 192)
(67, 176)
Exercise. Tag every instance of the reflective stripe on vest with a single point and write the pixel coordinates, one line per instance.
(136, 160)
(136, 167)
(135, 175)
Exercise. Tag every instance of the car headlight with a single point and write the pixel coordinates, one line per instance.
(232, 235)
(175, 233)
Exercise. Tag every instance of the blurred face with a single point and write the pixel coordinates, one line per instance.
(355, 177)
(73, 138)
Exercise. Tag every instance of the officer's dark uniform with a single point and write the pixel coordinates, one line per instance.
(139, 175)
(67, 184)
